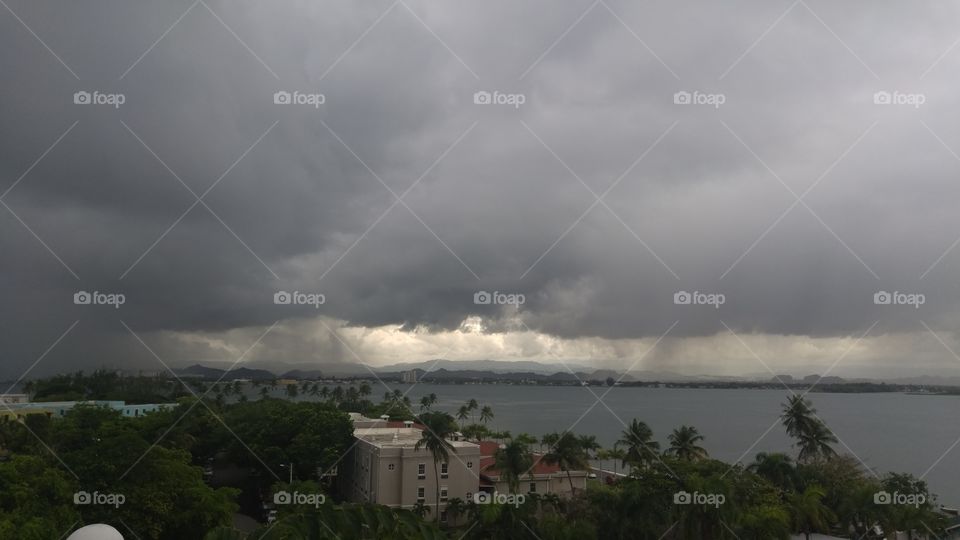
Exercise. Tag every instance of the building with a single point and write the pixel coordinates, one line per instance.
(384, 467)
(409, 377)
(57, 409)
(543, 478)
(9, 399)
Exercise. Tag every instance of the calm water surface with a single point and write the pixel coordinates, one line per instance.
(888, 432)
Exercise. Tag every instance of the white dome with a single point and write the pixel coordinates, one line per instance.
(98, 531)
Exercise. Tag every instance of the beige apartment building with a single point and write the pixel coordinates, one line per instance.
(384, 467)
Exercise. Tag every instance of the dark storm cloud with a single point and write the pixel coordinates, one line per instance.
(488, 201)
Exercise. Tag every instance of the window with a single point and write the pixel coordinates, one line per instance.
(469, 464)
(421, 471)
(390, 467)
(444, 470)
(443, 516)
(421, 494)
(443, 493)
(533, 487)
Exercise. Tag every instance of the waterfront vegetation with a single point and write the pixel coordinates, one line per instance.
(185, 471)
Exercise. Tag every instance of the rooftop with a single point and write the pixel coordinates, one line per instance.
(398, 436)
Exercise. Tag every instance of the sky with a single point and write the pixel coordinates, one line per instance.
(698, 187)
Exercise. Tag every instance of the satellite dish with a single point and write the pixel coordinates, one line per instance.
(97, 531)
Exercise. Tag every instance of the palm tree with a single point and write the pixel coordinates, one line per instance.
(808, 512)
(337, 394)
(683, 444)
(590, 446)
(776, 467)
(324, 392)
(365, 389)
(439, 426)
(616, 454)
(472, 405)
(513, 461)
(637, 439)
(815, 443)
(264, 392)
(798, 415)
(486, 414)
(462, 414)
(568, 454)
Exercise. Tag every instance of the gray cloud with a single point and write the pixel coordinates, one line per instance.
(489, 201)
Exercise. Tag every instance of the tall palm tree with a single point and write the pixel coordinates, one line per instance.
(438, 427)
(365, 389)
(638, 441)
(486, 414)
(462, 414)
(324, 392)
(472, 405)
(513, 461)
(684, 444)
(616, 454)
(590, 445)
(425, 403)
(798, 415)
(568, 454)
(815, 443)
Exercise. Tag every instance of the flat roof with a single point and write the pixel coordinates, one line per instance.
(399, 437)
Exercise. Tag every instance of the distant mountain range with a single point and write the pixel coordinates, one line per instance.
(505, 370)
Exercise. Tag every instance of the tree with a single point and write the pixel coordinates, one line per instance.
(291, 391)
(590, 445)
(637, 440)
(472, 405)
(777, 468)
(486, 414)
(798, 415)
(439, 426)
(815, 443)
(36, 501)
(684, 444)
(462, 414)
(513, 461)
(807, 512)
(568, 454)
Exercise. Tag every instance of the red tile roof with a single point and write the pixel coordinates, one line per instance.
(487, 450)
